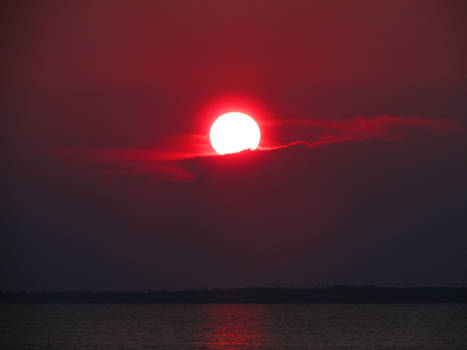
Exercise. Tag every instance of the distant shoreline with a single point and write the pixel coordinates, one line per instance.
(249, 295)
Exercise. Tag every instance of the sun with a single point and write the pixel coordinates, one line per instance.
(234, 132)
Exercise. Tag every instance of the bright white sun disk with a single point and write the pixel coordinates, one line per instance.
(234, 132)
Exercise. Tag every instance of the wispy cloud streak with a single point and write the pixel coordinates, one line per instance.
(388, 128)
(164, 161)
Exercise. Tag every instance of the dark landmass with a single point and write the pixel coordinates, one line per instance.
(324, 295)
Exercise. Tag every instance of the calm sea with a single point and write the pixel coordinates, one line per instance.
(233, 326)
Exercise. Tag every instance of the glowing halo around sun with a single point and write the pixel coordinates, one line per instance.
(234, 132)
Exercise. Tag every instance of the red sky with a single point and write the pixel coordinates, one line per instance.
(105, 110)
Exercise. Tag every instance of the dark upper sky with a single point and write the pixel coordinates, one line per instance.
(105, 110)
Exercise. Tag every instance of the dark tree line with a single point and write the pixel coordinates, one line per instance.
(334, 294)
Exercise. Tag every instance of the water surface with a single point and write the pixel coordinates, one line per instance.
(242, 326)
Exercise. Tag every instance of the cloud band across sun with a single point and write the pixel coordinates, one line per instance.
(164, 161)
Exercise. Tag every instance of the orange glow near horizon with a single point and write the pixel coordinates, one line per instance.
(234, 132)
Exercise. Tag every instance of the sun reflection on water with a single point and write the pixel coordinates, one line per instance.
(232, 327)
